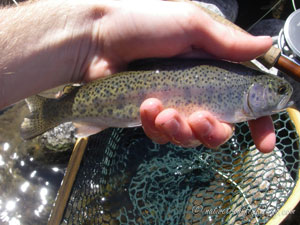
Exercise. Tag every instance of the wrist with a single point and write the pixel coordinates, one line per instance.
(45, 44)
(67, 37)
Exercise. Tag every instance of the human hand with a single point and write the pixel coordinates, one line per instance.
(142, 30)
(76, 40)
(167, 125)
(130, 30)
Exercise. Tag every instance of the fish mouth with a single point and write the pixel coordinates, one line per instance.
(290, 104)
(284, 103)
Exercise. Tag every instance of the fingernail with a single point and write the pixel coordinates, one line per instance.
(171, 127)
(207, 128)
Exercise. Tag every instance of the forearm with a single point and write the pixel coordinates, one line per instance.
(43, 44)
(52, 42)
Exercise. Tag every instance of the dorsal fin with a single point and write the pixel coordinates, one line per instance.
(69, 88)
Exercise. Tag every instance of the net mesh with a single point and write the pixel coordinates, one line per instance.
(125, 178)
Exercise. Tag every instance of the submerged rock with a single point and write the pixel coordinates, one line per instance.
(60, 138)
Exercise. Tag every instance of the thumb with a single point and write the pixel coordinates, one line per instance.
(228, 43)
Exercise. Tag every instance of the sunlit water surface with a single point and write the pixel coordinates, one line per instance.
(30, 174)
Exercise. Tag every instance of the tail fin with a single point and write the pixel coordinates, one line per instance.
(36, 122)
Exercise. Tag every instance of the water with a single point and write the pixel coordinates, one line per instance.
(30, 174)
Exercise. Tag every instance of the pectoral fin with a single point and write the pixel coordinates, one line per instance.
(86, 129)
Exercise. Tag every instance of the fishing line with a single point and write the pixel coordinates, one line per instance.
(14, 1)
(294, 5)
(279, 1)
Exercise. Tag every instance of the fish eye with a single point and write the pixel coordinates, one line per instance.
(282, 90)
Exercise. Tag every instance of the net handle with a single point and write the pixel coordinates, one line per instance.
(67, 182)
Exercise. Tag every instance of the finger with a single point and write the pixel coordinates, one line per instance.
(263, 134)
(176, 128)
(149, 110)
(209, 130)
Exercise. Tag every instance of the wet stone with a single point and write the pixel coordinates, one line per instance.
(60, 138)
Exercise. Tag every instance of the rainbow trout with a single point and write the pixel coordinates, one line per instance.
(231, 92)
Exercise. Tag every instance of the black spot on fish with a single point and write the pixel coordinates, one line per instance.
(220, 98)
(100, 110)
(96, 101)
(121, 98)
(130, 111)
(119, 106)
(109, 111)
